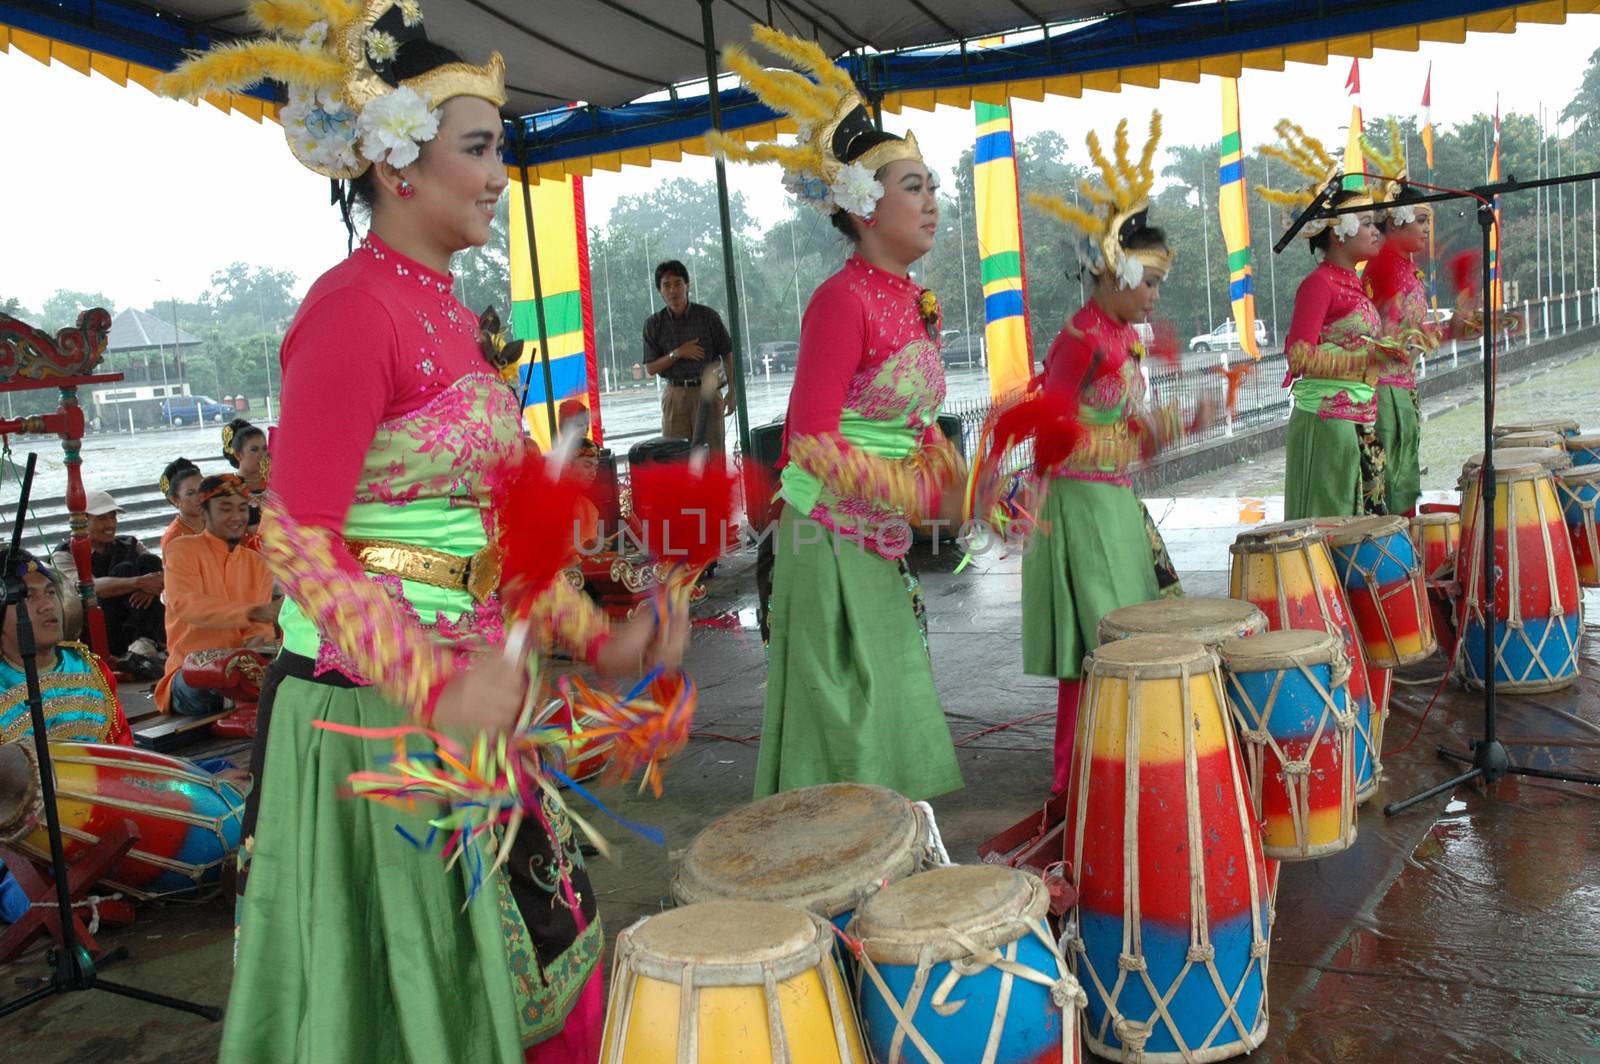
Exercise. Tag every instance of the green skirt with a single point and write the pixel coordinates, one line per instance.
(353, 944)
(1400, 430)
(1322, 467)
(1091, 555)
(850, 694)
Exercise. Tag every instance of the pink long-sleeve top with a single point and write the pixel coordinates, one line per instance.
(1329, 345)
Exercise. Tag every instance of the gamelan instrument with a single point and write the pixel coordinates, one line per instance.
(1578, 489)
(1383, 582)
(1209, 620)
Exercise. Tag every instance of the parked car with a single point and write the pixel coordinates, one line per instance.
(1226, 336)
(959, 349)
(195, 409)
(779, 356)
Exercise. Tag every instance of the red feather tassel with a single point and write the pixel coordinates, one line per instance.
(684, 514)
(536, 521)
(1164, 343)
(1466, 273)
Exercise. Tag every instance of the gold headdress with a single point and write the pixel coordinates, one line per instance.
(1390, 164)
(1121, 206)
(1306, 155)
(832, 164)
(332, 55)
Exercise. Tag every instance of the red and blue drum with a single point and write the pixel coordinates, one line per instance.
(188, 820)
(1578, 489)
(1383, 583)
(1533, 628)
(1290, 696)
(959, 964)
(1436, 534)
(1287, 570)
(1561, 426)
(1552, 460)
(1173, 912)
(823, 848)
(1585, 450)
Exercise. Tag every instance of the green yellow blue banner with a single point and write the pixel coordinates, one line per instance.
(563, 245)
(1233, 206)
(998, 211)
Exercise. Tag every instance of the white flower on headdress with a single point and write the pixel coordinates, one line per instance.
(410, 12)
(381, 47)
(1402, 215)
(856, 190)
(321, 129)
(1130, 272)
(316, 35)
(1346, 226)
(395, 124)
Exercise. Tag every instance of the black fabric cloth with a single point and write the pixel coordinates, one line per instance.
(125, 556)
(664, 332)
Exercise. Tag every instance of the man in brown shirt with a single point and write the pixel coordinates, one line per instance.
(680, 341)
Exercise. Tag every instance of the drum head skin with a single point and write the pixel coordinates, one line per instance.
(819, 848)
(1209, 620)
(989, 905)
(1282, 650)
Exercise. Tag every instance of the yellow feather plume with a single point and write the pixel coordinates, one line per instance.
(234, 67)
(1147, 176)
(294, 17)
(1120, 146)
(807, 55)
(1060, 209)
(1282, 198)
(791, 93)
(1108, 173)
(789, 156)
(1389, 163)
(1094, 193)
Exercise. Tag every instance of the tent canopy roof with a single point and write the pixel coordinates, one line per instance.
(623, 59)
(134, 330)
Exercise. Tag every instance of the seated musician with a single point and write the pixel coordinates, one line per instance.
(218, 594)
(80, 696)
(573, 424)
(127, 582)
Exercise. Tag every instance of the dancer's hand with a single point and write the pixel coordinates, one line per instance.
(638, 645)
(487, 697)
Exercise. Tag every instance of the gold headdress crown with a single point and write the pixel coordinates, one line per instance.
(1390, 164)
(1120, 206)
(332, 56)
(838, 150)
(1306, 155)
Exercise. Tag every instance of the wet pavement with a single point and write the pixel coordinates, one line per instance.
(1464, 929)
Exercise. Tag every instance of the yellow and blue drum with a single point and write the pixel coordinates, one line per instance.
(1530, 629)
(1172, 916)
(1579, 490)
(959, 965)
(722, 981)
(1436, 533)
(822, 848)
(1211, 621)
(1290, 696)
(1585, 450)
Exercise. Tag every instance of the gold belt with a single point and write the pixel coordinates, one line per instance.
(476, 574)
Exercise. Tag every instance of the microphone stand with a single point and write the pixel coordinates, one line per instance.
(73, 968)
(1487, 757)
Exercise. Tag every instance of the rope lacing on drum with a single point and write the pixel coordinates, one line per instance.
(1297, 768)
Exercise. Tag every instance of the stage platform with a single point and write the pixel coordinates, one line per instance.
(1461, 930)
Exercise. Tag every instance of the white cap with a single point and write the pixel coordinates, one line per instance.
(101, 502)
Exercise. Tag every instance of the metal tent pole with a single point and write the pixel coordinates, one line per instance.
(736, 369)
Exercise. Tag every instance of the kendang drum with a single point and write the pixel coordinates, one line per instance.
(1535, 624)
(1287, 570)
(1585, 450)
(959, 966)
(822, 848)
(1211, 621)
(1532, 438)
(1383, 582)
(1578, 489)
(722, 981)
(1467, 484)
(1290, 696)
(188, 820)
(1436, 534)
(1173, 915)
(1561, 426)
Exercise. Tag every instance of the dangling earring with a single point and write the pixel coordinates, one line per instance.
(406, 191)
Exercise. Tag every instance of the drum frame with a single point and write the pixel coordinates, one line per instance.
(1131, 963)
(993, 946)
(690, 976)
(1471, 608)
(1253, 722)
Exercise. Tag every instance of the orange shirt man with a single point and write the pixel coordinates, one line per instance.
(218, 594)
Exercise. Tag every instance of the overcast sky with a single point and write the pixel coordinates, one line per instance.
(143, 198)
